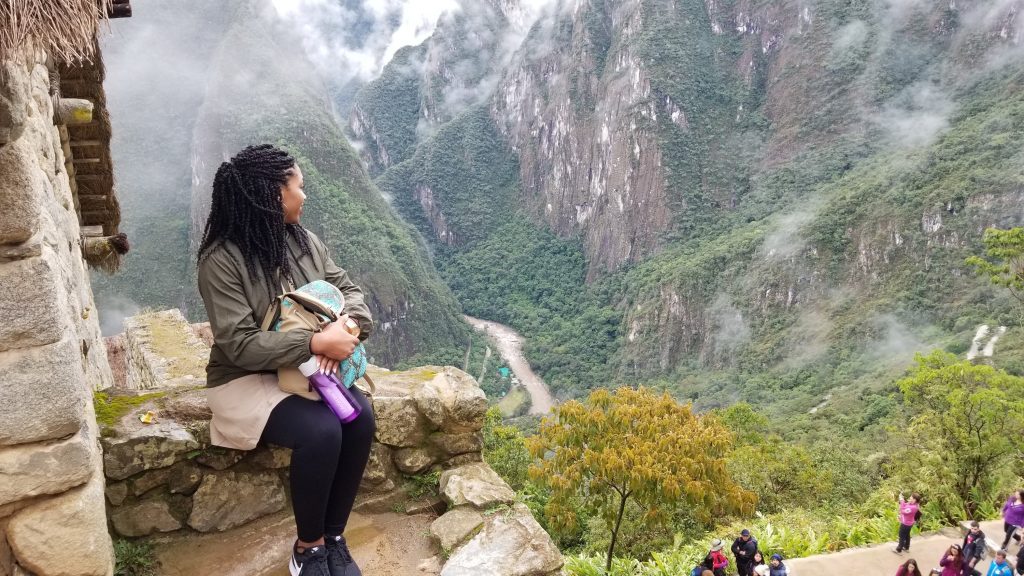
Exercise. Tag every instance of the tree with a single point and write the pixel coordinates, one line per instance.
(634, 444)
(965, 420)
(1006, 248)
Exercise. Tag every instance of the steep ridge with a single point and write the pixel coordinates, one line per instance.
(770, 199)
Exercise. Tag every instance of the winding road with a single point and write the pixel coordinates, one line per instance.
(510, 346)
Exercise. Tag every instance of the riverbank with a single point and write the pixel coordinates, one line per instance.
(510, 346)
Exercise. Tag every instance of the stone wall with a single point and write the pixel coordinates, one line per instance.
(51, 355)
(163, 475)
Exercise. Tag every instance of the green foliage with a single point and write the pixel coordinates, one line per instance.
(633, 444)
(1006, 248)
(110, 409)
(505, 450)
(424, 484)
(133, 558)
(963, 422)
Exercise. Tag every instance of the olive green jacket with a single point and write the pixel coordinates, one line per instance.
(236, 304)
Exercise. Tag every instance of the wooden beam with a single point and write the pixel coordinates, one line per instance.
(92, 231)
(93, 176)
(87, 160)
(99, 216)
(120, 9)
(83, 143)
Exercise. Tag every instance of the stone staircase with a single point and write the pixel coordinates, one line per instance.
(428, 503)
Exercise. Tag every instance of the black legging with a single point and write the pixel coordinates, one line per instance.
(1009, 529)
(328, 459)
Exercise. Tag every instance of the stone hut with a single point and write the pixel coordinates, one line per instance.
(57, 207)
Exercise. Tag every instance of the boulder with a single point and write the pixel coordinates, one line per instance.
(43, 393)
(64, 536)
(399, 424)
(116, 493)
(416, 460)
(144, 518)
(456, 461)
(14, 101)
(145, 447)
(511, 544)
(228, 499)
(220, 458)
(33, 469)
(476, 484)
(148, 480)
(452, 401)
(455, 444)
(455, 526)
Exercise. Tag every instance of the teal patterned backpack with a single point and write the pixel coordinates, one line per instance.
(311, 307)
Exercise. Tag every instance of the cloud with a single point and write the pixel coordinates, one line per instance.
(786, 240)
(917, 116)
(731, 329)
(897, 343)
(356, 40)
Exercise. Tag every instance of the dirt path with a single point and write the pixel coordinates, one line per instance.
(510, 346)
(387, 544)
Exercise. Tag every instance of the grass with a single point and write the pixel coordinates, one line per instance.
(134, 558)
(515, 403)
(110, 409)
(170, 341)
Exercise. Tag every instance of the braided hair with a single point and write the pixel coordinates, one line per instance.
(246, 210)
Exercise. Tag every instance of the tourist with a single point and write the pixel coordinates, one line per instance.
(715, 560)
(1013, 516)
(757, 561)
(1020, 561)
(252, 245)
(908, 568)
(908, 514)
(973, 547)
(744, 548)
(776, 567)
(999, 566)
(952, 563)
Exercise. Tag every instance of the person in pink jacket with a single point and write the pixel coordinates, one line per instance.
(907, 512)
(952, 562)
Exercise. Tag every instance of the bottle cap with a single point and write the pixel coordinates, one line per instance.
(309, 367)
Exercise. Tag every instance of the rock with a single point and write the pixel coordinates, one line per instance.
(66, 535)
(21, 189)
(379, 468)
(116, 493)
(14, 102)
(416, 460)
(275, 457)
(145, 447)
(184, 478)
(220, 458)
(430, 566)
(43, 393)
(228, 499)
(455, 526)
(509, 545)
(34, 311)
(399, 424)
(144, 518)
(380, 502)
(455, 444)
(452, 400)
(433, 505)
(32, 469)
(475, 484)
(186, 406)
(148, 480)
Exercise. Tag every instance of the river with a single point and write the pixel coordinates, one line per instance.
(510, 346)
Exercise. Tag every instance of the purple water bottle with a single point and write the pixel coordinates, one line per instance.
(338, 398)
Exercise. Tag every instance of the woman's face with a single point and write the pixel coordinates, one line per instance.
(911, 565)
(954, 551)
(292, 196)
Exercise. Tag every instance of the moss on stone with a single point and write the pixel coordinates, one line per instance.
(110, 409)
(170, 341)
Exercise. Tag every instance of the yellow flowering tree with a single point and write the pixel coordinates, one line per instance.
(634, 444)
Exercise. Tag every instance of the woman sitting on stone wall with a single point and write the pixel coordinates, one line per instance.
(253, 244)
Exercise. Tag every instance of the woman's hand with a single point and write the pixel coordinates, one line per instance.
(333, 342)
(327, 365)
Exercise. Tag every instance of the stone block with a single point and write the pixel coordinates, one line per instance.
(275, 457)
(379, 468)
(30, 470)
(509, 545)
(452, 400)
(35, 313)
(149, 480)
(416, 460)
(144, 518)
(21, 191)
(455, 526)
(475, 484)
(14, 101)
(184, 478)
(116, 493)
(77, 521)
(399, 423)
(461, 459)
(455, 444)
(228, 499)
(145, 447)
(220, 458)
(43, 393)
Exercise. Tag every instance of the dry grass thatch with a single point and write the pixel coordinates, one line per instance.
(64, 28)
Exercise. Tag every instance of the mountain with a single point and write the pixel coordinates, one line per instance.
(245, 79)
(732, 199)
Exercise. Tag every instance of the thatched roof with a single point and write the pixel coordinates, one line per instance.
(64, 28)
